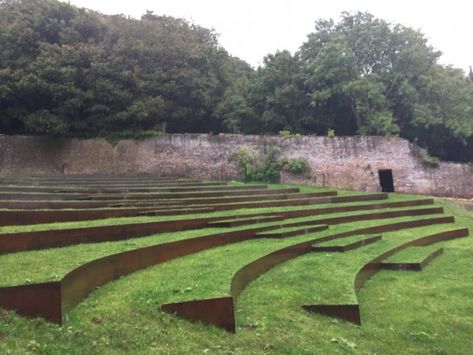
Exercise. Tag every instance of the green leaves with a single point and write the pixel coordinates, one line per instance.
(359, 76)
(76, 72)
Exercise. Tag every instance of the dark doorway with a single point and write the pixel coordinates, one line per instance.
(386, 180)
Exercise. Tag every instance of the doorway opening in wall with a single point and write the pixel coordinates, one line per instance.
(386, 180)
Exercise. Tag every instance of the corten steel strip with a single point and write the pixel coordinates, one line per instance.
(374, 266)
(347, 247)
(222, 197)
(299, 202)
(279, 203)
(238, 221)
(35, 300)
(77, 284)
(51, 183)
(292, 233)
(27, 217)
(58, 205)
(52, 300)
(142, 194)
(413, 266)
(35, 240)
(253, 270)
(370, 216)
(46, 216)
(14, 242)
(342, 219)
(147, 188)
(217, 207)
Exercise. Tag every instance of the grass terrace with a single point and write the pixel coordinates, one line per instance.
(112, 289)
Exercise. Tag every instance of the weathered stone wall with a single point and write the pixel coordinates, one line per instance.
(342, 162)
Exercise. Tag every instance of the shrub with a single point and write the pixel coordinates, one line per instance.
(428, 159)
(296, 166)
(254, 166)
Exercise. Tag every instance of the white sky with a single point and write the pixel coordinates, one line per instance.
(250, 29)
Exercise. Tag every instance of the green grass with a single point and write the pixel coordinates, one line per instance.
(412, 254)
(426, 312)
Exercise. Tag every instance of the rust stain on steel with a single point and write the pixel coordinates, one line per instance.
(376, 265)
(413, 266)
(253, 270)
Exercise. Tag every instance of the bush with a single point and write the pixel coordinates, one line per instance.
(297, 166)
(265, 168)
(428, 159)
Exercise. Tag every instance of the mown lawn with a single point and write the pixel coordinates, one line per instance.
(402, 312)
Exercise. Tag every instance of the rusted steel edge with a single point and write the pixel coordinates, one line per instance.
(351, 312)
(36, 240)
(204, 311)
(222, 198)
(413, 266)
(94, 183)
(117, 198)
(52, 300)
(347, 247)
(217, 207)
(85, 195)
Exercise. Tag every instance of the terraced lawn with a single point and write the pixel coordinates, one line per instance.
(401, 312)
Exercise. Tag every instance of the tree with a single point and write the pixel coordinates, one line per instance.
(71, 71)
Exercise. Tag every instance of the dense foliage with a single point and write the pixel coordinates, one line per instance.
(267, 166)
(359, 76)
(71, 71)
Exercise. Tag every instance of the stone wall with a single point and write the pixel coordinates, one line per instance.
(342, 162)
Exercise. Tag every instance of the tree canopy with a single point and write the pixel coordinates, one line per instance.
(359, 76)
(70, 71)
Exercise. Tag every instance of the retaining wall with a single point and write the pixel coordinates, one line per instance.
(341, 162)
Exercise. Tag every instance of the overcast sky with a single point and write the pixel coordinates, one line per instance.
(250, 29)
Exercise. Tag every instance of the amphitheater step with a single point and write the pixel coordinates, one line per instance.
(410, 265)
(292, 231)
(235, 222)
(346, 247)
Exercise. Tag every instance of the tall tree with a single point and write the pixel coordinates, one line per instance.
(71, 71)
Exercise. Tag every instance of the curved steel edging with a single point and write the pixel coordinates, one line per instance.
(351, 312)
(80, 282)
(15, 242)
(204, 311)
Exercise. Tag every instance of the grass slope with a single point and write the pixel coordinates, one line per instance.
(402, 312)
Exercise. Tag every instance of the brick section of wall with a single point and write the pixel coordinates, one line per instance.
(341, 162)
